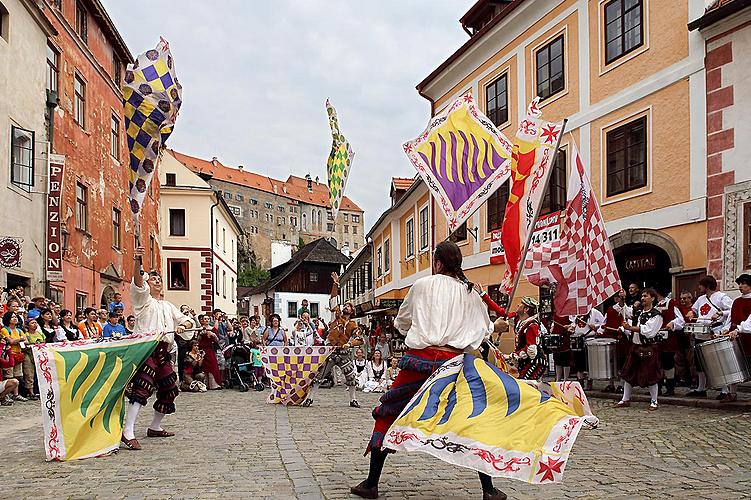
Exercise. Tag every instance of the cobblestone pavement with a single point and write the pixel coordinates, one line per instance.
(234, 445)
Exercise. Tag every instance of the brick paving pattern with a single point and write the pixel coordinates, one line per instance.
(234, 445)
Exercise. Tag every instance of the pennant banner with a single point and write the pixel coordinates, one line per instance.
(581, 263)
(82, 385)
(462, 157)
(534, 149)
(472, 414)
(339, 163)
(292, 370)
(152, 97)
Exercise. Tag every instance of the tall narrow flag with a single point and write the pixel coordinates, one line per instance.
(533, 152)
(472, 414)
(82, 385)
(339, 163)
(581, 262)
(152, 98)
(462, 158)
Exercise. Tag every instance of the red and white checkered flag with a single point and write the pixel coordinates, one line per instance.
(581, 262)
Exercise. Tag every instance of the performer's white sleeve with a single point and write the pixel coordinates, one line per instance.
(679, 321)
(651, 327)
(745, 326)
(726, 304)
(403, 320)
(629, 312)
(139, 297)
(597, 318)
(178, 317)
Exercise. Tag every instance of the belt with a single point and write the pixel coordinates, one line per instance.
(446, 348)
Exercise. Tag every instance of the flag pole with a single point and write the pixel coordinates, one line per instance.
(531, 230)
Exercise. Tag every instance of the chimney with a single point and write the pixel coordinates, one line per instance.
(213, 161)
(240, 167)
(275, 188)
(284, 188)
(310, 183)
(316, 180)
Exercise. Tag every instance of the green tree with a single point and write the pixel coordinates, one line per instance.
(252, 275)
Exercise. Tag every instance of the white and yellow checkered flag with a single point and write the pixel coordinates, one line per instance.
(152, 97)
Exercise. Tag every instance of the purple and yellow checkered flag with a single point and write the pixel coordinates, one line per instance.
(152, 98)
(339, 162)
(292, 370)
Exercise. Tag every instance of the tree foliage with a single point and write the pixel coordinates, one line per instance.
(252, 275)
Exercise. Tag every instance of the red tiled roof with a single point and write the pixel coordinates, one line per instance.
(716, 4)
(402, 182)
(294, 188)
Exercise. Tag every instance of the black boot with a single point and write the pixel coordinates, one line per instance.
(490, 492)
(369, 487)
(670, 387)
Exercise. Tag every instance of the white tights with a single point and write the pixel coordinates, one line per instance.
(627, 392)
(562, 373)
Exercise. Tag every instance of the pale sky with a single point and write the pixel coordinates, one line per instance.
(256, 75)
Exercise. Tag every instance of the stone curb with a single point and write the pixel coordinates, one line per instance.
(744, 405)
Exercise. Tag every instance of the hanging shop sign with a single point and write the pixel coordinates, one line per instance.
(10, 251)
(54, 238)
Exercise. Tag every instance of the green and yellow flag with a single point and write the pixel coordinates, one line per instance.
(339, 163)
(82, 385)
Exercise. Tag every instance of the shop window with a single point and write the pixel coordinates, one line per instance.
(627, 157)
(177, 274)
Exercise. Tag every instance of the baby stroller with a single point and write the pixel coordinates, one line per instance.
(240, 369)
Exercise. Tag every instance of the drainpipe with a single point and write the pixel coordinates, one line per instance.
(211, 232)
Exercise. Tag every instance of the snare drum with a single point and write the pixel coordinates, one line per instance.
(552, 341)
(698, 329)
(577, 342)
(662, 335)
(724, 362)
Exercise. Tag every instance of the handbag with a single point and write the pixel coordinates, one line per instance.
(6, 359)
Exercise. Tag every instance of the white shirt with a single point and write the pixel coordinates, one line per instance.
(648, 329)
(439, 311)
(155, 316)
(595, 317)
(704, 310)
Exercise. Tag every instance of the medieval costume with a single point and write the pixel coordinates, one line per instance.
(673, 321)
(713, 309)
(642, 366)
(585, 327)
(561, 355)
(531, 360)
(612, 328)
(738, 325)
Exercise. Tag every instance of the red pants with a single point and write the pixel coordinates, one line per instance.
(156, 374)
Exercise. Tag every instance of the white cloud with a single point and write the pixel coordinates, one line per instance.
(256, 75)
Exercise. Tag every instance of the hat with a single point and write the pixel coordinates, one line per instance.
(530, 302)
(744, 278)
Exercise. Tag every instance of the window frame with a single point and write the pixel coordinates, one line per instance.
(170, 179)
(409, 240)
(22, 168)
(423, 245)
(292, 309)
(747, 235)
(152, 251)
(82, 22)
(387, 256)
(82, 207)
(170, 228)
(117, 70)
(622, 33)
(82, 300)
(117, 228)
(53, 69)
(115, 137)
(494, 84)
(79, 101)
(623, 126)
(490, 224)
(186, 273)
(561, 36)
(379, 256)
(561, 187)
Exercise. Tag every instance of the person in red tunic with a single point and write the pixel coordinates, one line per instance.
(613, 329)
(684, 358)
(562, 355)
(739, 325)
(673, 321)
(531, 360)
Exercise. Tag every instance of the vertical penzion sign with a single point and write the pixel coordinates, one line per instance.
(54, 238)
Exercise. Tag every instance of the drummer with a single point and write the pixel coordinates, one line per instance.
(674, 321)
(711, 308)
(684, 359)
(739, 325)
(642, 365)
(562, 355)
(612, 328)
(585, 326)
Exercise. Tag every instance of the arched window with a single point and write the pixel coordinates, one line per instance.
(304, 222)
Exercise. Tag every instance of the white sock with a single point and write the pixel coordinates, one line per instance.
(156, 424)
(702, 382)
(558, 373)
(313, 391)
(653, 389)
(130, 420)
(670, 374)
(566, 373)
(626, 391)
(733, 388)
(351, 391)
(724, 390)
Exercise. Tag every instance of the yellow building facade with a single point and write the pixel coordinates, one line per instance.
(630, 78)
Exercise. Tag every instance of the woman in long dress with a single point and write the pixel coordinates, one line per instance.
(208, 343)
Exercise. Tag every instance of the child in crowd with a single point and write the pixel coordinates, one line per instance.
(113, 329)
(255, 356)
(117, 303)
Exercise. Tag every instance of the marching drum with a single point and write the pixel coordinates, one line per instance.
(552, 341)
(701, 329)
(601, 356)
(723, 362)
(577, 342)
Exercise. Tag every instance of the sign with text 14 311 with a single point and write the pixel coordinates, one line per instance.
(547, 229)
(496, 248)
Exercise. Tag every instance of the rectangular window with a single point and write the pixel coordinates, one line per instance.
(253, 201)
(216, 232)
(330, 215)
(354, 229)
(80, 101)
(379, 254)
(116, 239)
(82, 22)
(268, 205)
(22, 157)
(57, 295)
(627, 157)
(227, 195)
(549, 64)
(82, 301)
(623, 28)
(346, 216)
(497, 207)
(53, 71)
(232, 288)
(239, 197)
(82, 207)
(115, 137)
(224, 240)
(171, 179)
(291, 309)
(355, 218)
(356, 245)
(224, 284)
(116, 69)
(313, 277)
(387, 256)
(459, 234)
(424, 231)
(59, 4)
(314, 309)
(177, 222)
(236, 211)
(216, 280)
(410, 234)
(346, 229)
(152, 252)
(177, 274)
(329, 227)
(280, 208)
(496, 100)
(747, 236)
(555, 197)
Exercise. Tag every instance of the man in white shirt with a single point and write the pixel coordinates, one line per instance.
(586, 327)
(711, 308)
(157, 373)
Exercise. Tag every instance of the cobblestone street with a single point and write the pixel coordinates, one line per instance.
(234, 445)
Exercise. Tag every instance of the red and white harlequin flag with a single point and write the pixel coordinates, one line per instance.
(581, 262)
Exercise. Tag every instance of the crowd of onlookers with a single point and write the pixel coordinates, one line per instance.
(206, 358)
